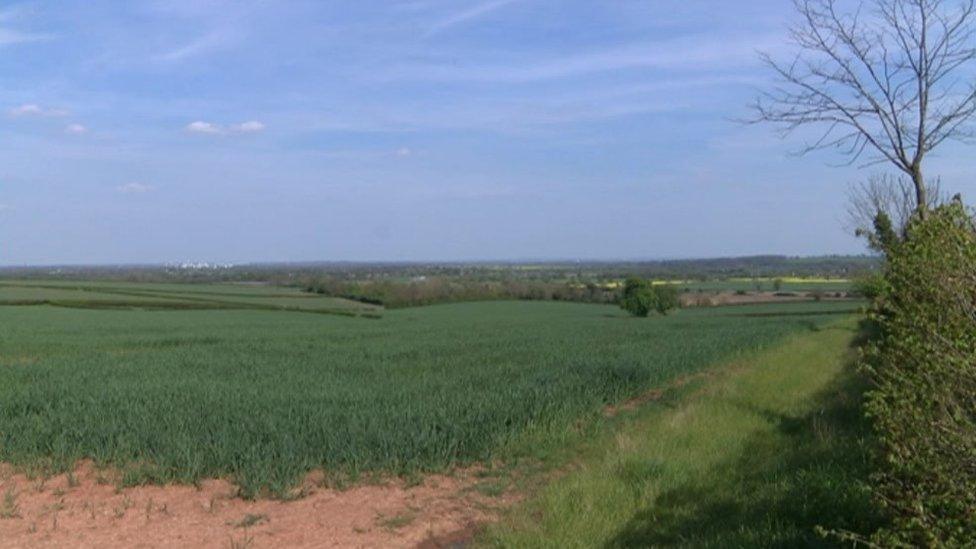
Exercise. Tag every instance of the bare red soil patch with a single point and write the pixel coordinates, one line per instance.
(82, 510)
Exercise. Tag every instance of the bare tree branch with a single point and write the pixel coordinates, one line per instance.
(891, 195)
(886, 79)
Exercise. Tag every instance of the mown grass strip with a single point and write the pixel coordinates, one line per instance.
(759, 456)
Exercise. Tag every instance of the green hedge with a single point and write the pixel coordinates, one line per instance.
(923, 365)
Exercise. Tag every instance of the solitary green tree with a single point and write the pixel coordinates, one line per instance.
(640, 297)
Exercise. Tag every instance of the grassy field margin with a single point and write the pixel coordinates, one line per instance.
(760, 454)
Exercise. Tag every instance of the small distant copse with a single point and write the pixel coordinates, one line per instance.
(641, 296)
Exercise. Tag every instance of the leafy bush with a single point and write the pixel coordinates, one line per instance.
(640, 297)
(923, 365)
(870, 286)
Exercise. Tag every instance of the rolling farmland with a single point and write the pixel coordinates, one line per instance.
(256, 391)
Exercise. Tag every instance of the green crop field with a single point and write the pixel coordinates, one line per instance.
(101, 295)
(264, 396)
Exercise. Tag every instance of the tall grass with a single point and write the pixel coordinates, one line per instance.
(264, 397)
(772, 451)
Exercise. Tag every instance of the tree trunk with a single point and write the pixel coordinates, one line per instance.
(921, 193)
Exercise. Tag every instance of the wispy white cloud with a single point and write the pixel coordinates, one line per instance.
(251, 126)
(10, 36)
(467, 16)
(33, 109)
(696, 52)
(403, 152)
(214, 41)
(203, 127)
(75, 129)
(135, 188)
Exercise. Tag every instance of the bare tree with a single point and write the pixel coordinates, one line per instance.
(890, 195)
(886, 78)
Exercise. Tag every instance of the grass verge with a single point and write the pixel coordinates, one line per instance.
(759, 455)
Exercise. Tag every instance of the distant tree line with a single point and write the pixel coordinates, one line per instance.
(594, 272)
(429, 291)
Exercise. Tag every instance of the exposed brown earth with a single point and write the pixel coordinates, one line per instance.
(87, 510)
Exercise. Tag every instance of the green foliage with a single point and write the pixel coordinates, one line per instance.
(264, 397)
(638, 297)
(870, 286)
(666, 298)
(924, 368)
(641, 297)
(883, 235)
(398, 294)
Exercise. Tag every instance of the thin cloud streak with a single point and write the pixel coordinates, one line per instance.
(686, 53)
(32, 109)
(9, 37)
(135, 188)
(251, 126)
(215, 41)
(469, 15)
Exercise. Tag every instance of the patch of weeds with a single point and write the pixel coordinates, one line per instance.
(9, 509)
(249, 520)
(397, 521)
(126, 504)
(243, 543)
(492, 489)
(298, 493)
(413, 479)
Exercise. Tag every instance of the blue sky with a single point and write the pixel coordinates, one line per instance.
(288, 130)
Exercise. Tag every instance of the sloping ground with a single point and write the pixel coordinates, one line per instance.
(759, 456)
(121, 295)
(266, 397)
(755, 453)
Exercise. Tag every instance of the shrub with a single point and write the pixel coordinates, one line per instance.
(923, 366)
(870, 286)
(640, 297)
(666, 298)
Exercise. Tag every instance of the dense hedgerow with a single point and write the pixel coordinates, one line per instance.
(396, 294)
(924, 368)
